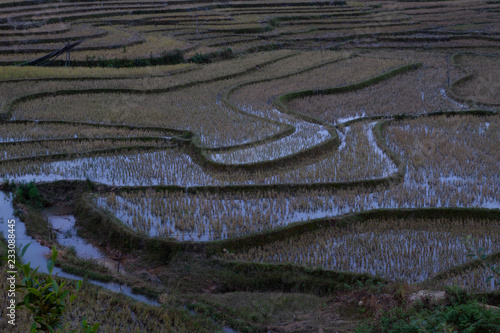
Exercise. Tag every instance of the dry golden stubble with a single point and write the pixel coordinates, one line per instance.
(473, 280)
(12, 132)
(450, 162)
(484, 86)
(410, 249)
(43, 148)
(415, 92)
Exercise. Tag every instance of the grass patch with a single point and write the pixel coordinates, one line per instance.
(455, 316)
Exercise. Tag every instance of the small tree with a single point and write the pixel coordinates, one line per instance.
(46, 299)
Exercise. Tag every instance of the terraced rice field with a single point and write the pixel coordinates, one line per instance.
(207, 121)
(413, 250)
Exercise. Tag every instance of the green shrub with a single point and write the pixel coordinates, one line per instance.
(461, 316)
(200, 59)
(456, 295)
(470, 317)
(8, 185)
(172, 58)
(27, 193)
(45, 298)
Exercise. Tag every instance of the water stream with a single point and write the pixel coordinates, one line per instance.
(36, 253)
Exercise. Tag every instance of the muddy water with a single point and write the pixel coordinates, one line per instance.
(36, 253)
(63, 225)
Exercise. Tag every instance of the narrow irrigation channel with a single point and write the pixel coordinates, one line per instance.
(64, 227)
(66, 236)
